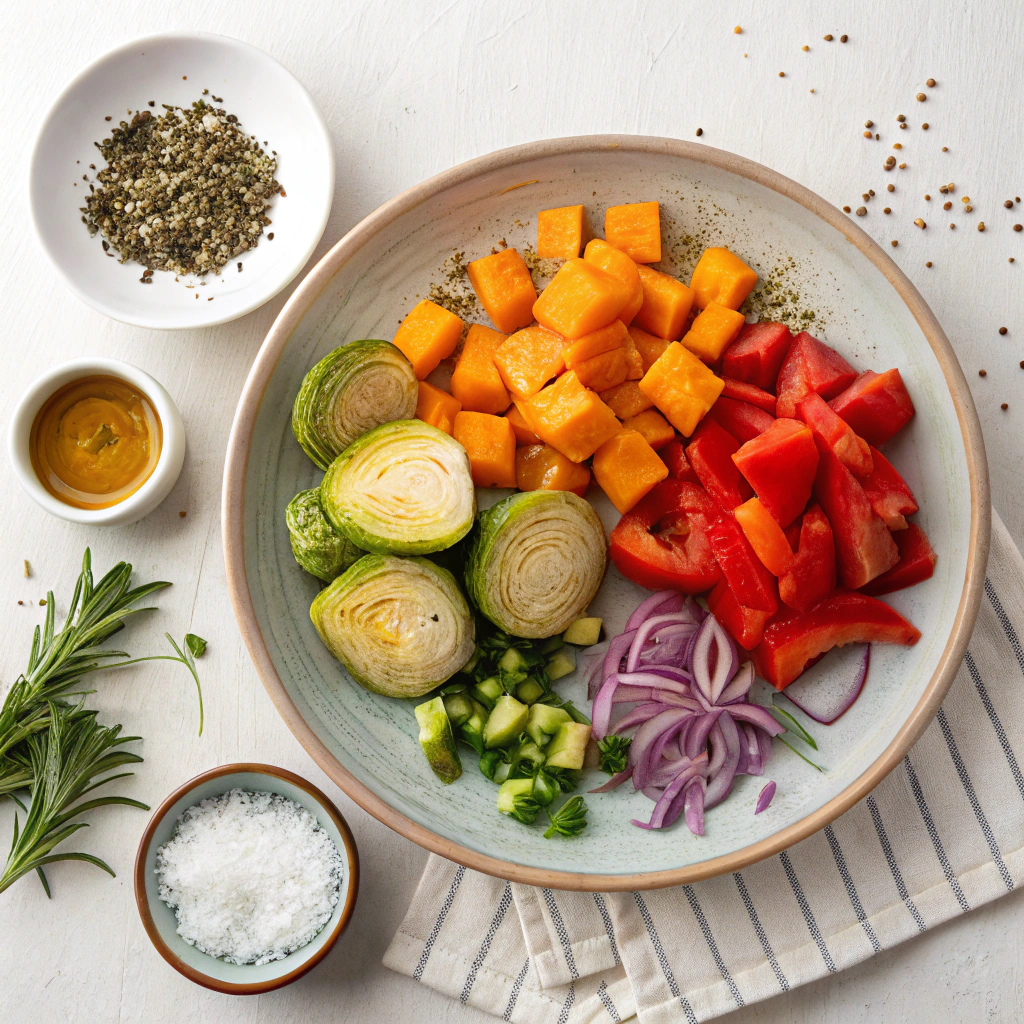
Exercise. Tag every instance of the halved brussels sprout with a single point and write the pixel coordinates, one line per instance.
(404, 488)
(399, 625)
(535, 562)
(350, 391)
(316, 545)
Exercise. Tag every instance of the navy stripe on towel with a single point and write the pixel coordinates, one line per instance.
(691, 898)
(602, 994)
(659, 952)
(1004, 621)
(478, 960)
(432, 937)
(563, 935)
(514, 995)
(805, 909)
(609, 930)
(897, 875)
(851, 889)
(1011, 758)
(760, 932)
(563, 1014)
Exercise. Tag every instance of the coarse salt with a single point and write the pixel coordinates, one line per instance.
(251, 876)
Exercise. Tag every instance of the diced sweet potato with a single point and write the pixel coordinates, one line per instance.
(721, 276)
(649, 347)
(524, 435)
(635, 229)
(605, 371)
(615, 262)
(491, 447)
(437, 407)
(561, 232)
(626, 467)
(529, 359)
(503, 285)
(652, 426)
(634, 361)
(539, 467)
(713, 331)
(626, 400)
(596, 343)
(666, 305)
(427, 335)
(571, 418)
(581, 298)
(682, 387)
(476, 382)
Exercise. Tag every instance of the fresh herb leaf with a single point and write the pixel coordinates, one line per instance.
(801, 756)
(524, 808)
(614, 753)
(195, 644)
(792, 725)
(569, 820)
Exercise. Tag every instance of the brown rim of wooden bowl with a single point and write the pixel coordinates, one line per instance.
(234, 494)
(142, 900)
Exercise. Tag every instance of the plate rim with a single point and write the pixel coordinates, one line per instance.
(236, 465)
(112, 55)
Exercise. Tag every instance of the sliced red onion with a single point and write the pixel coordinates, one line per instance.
(740, 685)
(827, 693)
(639, 715)
(751, 760)
(615, 781)
(664, 601)
(631, 694)
(661, 808)
(757, 715)
(651, 626)
(656, 681)
(697, 739)
(721, 785)
(694, 806)
(764, 798)
(716, 750)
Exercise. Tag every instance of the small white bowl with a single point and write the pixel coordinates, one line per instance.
(150, 494)
(174, 68)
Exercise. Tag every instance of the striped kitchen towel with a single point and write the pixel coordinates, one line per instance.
(942, 834)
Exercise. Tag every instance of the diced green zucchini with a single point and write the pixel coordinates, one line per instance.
(545, 788)
(544, 722)
(515, 797)
(505, 722)
(487, 691)
(569, 746)
(489, 762)
(472, 730)
(561, 664)
(583, 632)
(527, 750)
(513, 661)
(501, 771)
(459, 707)
(552, 644)
(437, 740)
(529, 690)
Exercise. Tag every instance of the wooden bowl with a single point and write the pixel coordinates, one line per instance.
(159, 920)
(366, 284)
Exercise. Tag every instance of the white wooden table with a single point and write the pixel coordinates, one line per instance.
(410, 87)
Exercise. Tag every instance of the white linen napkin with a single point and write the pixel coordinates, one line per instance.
(943, 833)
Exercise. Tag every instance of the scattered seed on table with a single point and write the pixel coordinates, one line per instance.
(921, 97)
(965, 199)
(843, 39)
(865, 195)
(925, 126)
(867, 135)
(903, 167)
(869, 124)
(887, 210)
(930, 83)
(700, 131)
(861, 210)
(182, 513)
(1017, 199)
(968, 208)
(894, 243)
(901, 118)
(897, 145)
(1018, 227)
(952, 227)
(945, 149)
(920, 223)
(846, 209)
(782, 74)
(1004, 407)
(927, 196)
(890, 163)
(877, 136)
(928, 263)
(805, 48)
(981, 223)
(737, 30)
(1002, 330)
(1008, 204)
(983, 373)
(890, 188)
(1022, 364)
(871, 191)
(828, 38)
(947, 205)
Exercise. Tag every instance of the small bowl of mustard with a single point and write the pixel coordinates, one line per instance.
(97, 442)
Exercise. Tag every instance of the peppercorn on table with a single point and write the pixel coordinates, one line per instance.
(898, 114)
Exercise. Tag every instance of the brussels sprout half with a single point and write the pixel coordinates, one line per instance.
(535, 562)
(399, 625)
(404, 488)
(350, 391)
(316, 545)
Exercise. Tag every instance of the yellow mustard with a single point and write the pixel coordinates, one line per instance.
(95, 441)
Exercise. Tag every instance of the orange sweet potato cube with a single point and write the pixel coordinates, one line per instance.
(437, 407)
(682, 387)
(539, 467)
(635, 229)
(652, 427)
(561, 232)
(476, 382)
(604, 371)
(626, 467)
(626, 400)
(524, 435)
(634, 361)
(427, 335)
(596, 343)
(579, 299)
(713, 330)
(721, 276)
(491, 447)
(615, 262)
(571, 418)
(503, 285)
(529, 359)
(649, 347)
(667, 303)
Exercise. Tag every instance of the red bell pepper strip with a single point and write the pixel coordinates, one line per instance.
(876, 405)
(851, 450)
(888, 492)
(792, 640)
(765, 535)
(757, 354)
(812, 575)
(679, 468)
(743, 392)
(710, 454)
(811, 366)
(745, 625)
(780, 465)
(864, 546)
(916, 564)
(753, 585)
(743, 420)
(662, 542)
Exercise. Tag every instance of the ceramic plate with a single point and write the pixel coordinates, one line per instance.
(175, 68)
(813, 259)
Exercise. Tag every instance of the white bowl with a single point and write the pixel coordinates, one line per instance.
(174, 68)
(150, 494)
